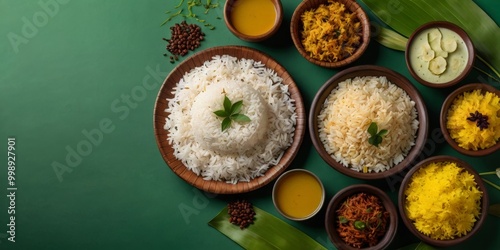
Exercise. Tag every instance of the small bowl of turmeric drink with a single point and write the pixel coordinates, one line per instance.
(443, 201)
(298, 194)
(253, 20)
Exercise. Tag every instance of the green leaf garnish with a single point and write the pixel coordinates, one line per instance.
(343, 220)
(231, 112)
(376, 137)
(359, 225)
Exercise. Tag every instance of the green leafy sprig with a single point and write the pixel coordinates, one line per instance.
(375, 135)
(190, 4)
(231, 112)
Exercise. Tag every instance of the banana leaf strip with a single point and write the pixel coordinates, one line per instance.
(267, 232)
(494, 210)
(389, 38)
(406, 16)
(418, 246)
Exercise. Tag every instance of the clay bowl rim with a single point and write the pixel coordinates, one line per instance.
(461, 33)
(369, 70)
(228, 6)
(355, 189)
(280, 178)
(443, 118)
(296, 27)
(480, 184)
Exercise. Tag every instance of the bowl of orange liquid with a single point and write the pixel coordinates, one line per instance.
(253, 20)
(298, 194)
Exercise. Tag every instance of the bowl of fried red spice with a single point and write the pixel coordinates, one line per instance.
(330, 33)
(253, 20)
(443, 201)
(361, 216)
(368, 122)
(470, 119)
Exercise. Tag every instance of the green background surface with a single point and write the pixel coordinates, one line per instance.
(77, 67)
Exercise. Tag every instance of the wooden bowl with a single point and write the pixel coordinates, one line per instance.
(331, 215)
(221, 187)
(444, 114)
(229, 8)
(422, 74)
(409, 223)
(296, 28)
(393, 77)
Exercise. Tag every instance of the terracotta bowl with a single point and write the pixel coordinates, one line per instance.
(295, 194)
(166, 93)
(444, 113)
(393, 77)
(296, 28)
(331, 215)
(228, 18)
(413, 48)
(409, 224)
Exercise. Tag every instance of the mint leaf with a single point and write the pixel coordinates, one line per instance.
(235, 109)
(226, 123)
(220, 113)
(240, 118)
(372, 129)
(231, 112)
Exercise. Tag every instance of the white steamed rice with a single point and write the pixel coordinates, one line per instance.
(352, 107)
(245, 150)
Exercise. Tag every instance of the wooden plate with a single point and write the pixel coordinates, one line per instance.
(221, 187)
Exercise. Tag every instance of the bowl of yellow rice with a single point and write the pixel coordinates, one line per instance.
(443, 201)
(470, 119)
(330, 33)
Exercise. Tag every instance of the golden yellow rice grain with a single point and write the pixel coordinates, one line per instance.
(443, 200)
(466, 133)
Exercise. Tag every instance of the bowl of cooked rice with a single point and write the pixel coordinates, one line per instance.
(443, 201)
(229, 120)
(368, 122)
(470, 119)
(361, 216)
(330, 33)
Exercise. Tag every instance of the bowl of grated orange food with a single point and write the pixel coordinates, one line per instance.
(470, 119)
(443, 201)
(330, 33)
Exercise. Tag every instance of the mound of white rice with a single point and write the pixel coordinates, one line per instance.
(352, 107)
(245, 150)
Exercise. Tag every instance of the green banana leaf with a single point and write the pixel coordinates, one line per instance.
(406, 16)
(267, 232)
(494, 210)
(418, 246)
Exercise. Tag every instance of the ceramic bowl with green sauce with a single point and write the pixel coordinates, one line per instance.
(439, 54)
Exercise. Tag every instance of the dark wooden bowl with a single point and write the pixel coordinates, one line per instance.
(296, 28)
(444, 114)
(228, 11)
(393, 77)
(409, 223)
(221, 187)
(341, 196)
(461, 33)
